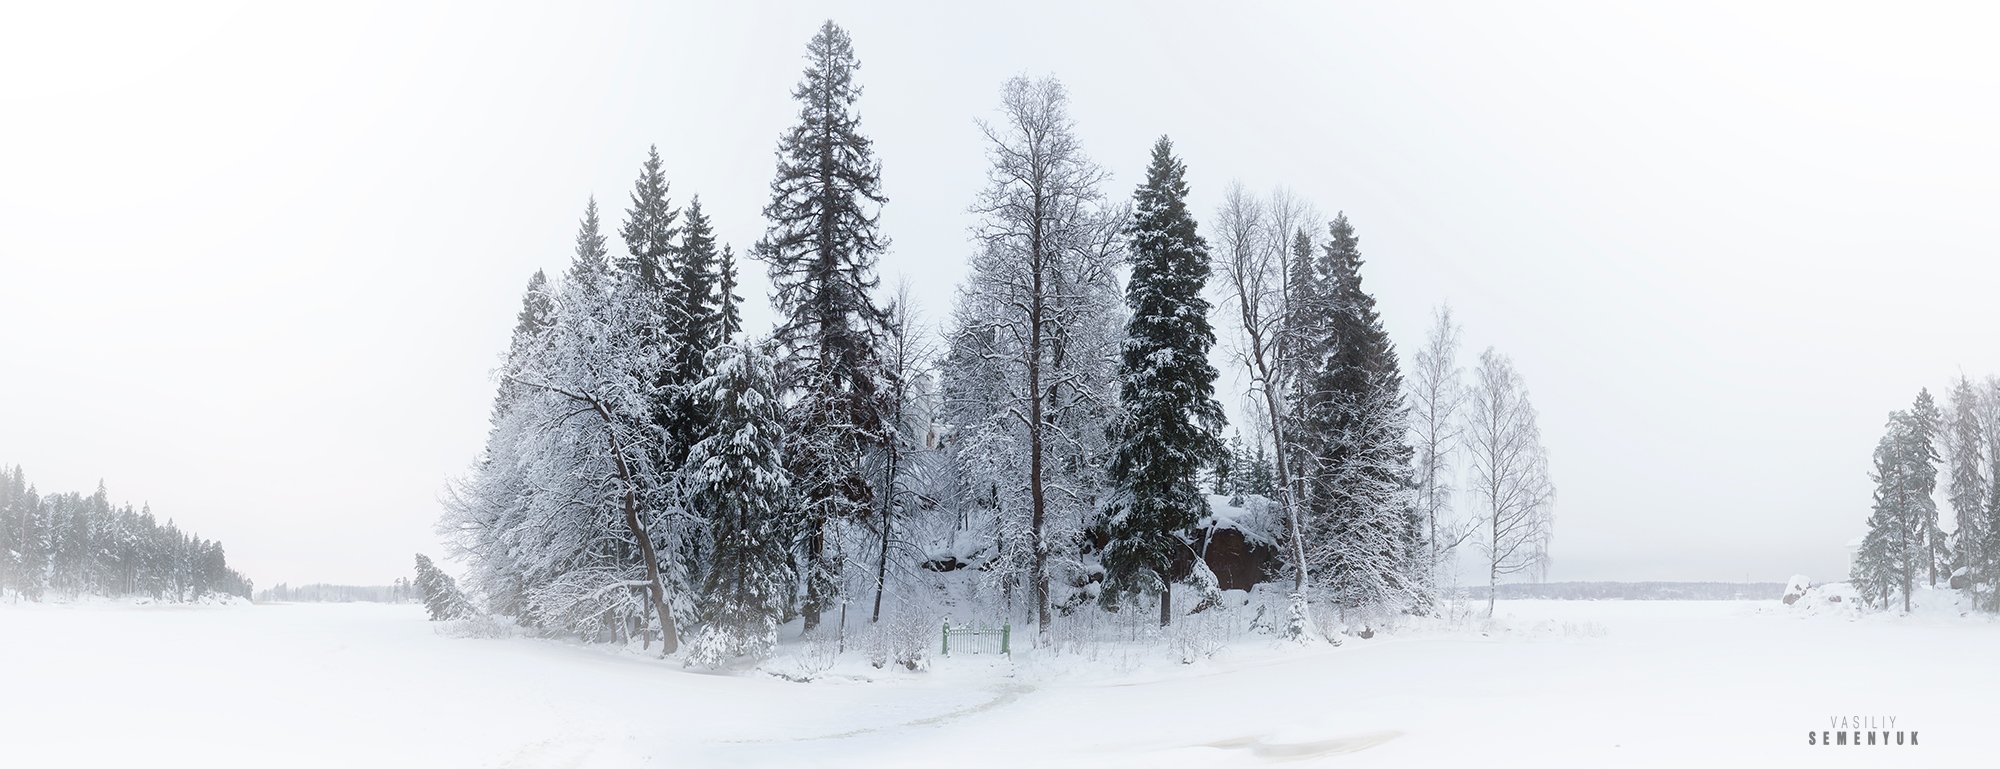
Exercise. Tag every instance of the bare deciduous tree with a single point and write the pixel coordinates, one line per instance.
(1251, 257)
(1046, 247)
(1437, 392)
(1510, 472)
(906, 356)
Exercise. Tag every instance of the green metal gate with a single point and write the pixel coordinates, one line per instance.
(977, 640)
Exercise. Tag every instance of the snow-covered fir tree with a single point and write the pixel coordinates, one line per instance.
(1926, 427)
(1965, 456)
(1233, 471)
(729, 305)
(1900, 548)
(1168, 419)
(821, 247)
(563, 516)
(1888, 559)
(736, 474)
(440, 593)
(68, 545)
(696, 317)
(1363, 533)
(1985, 567)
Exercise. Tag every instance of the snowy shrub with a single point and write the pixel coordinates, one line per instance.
(875, 641)
(592, 603)
(817, 655)
(736, 476)
(1296, 617)
(1207, 590)
(909, 638)
(1199, 636)
(478, 626)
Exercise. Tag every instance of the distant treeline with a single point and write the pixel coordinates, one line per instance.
(1634, 591)
(69, 545)
(403, 591)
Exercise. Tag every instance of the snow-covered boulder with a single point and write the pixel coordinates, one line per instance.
(1838, 597)
(1796, 588)
(1239, 543)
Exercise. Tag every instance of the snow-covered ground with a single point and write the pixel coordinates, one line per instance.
(1551, 684)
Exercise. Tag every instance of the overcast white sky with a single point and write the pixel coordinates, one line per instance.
(258, 261)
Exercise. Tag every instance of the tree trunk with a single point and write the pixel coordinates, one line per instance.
(1287, 496)
(1492, 590)
(1037, 493)
(669, 639)
(815, 552)
(882, 561)
(1166, 604)
(1493, 566)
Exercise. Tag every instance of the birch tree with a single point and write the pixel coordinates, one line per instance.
(1253, 259)
(1436, 394)
(1509, 472)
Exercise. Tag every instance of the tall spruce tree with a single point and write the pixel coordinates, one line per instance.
(650, 228)
(1886, 560)
(737, 474)
(652, 298)
(1362, 524)
(1901, 547)
(1923, 458)
(695, 314)
(1967, 485)
(729, 306)
(1304, 337)
(1986, 569)
(821, 247)
(1168, 426)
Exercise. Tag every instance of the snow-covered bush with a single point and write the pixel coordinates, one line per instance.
(815, 656)
(1207, 590)
(1830, 598)
(478, 626)
(1200, 636)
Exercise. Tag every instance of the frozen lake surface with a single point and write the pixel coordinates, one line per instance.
(1552, 684)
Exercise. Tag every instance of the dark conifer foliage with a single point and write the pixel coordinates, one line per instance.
(1967, 484)
(1362, 525)
(1926, 432)
(695, 313)
(650, 227)
(821, 248)
(729, 309)
(1168, 425)
(68, 545)
(1898, 551)
(737, 474)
